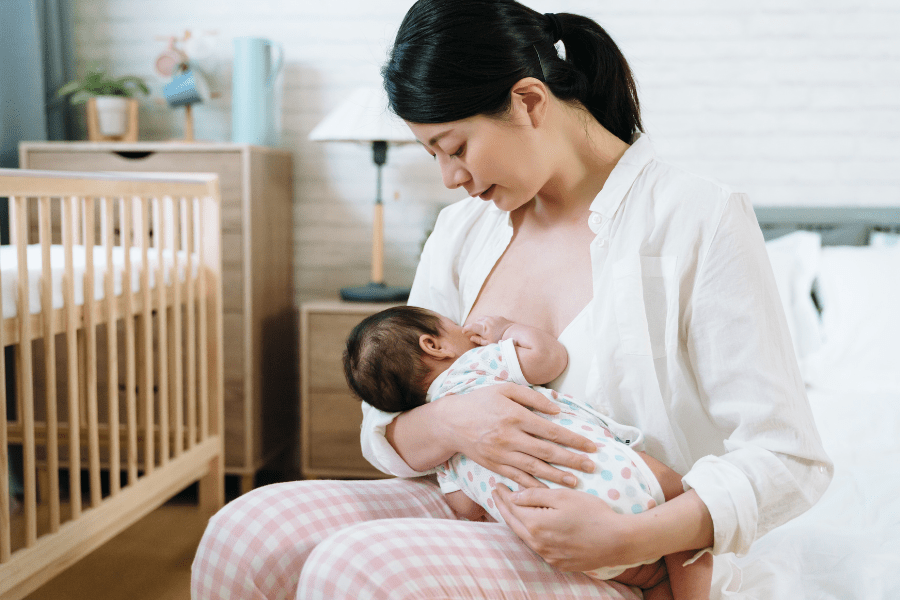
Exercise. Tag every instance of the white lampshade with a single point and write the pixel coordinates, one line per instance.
(363, 117)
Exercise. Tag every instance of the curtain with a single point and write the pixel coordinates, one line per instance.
(37, 56)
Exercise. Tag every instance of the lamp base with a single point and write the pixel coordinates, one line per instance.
(374, 292)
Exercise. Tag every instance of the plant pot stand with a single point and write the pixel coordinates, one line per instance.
(93, 124)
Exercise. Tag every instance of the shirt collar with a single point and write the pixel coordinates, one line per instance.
(623, 175)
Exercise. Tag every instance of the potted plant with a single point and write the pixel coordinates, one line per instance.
(110, 101)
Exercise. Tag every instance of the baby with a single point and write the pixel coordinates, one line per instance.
(403, 357)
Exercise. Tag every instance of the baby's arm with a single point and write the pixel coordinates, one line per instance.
(541, 356)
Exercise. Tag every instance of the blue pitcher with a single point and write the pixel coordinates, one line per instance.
(254, 105)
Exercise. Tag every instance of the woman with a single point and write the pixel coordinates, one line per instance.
(656, 281)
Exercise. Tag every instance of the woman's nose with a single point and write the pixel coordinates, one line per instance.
(454, 174)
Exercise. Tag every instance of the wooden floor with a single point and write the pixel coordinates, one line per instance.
(151, 560)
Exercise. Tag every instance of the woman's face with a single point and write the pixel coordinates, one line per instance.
(493, 159)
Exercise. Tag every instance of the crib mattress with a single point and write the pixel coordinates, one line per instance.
(9, 273)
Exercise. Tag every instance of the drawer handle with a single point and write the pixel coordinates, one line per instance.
(137, 155)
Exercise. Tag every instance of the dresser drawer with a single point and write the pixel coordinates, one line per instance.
(226, 164)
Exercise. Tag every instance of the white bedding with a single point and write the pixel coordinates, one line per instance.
(9, 272)
(847, 546)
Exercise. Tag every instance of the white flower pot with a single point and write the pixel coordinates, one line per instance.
(112, 115)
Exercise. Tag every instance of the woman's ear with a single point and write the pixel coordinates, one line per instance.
(530, 99)
(433, 346)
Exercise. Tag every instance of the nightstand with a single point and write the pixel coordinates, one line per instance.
(257, 278)
(330, 416)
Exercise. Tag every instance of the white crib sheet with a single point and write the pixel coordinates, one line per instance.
(9, 273)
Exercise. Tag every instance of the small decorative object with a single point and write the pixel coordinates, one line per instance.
(188, 85)
(364, 117)
(112, 110)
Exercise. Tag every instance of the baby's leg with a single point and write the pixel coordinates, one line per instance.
(464, 507)
(695, 579)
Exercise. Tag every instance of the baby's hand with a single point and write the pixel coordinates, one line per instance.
(487, 330)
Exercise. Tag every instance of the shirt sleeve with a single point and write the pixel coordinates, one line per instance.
(435, 287)
(774, 467)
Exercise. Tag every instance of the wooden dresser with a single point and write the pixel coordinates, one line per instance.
(260, 322)
(330, 415)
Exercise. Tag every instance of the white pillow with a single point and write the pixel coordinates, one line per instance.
(884, 239)
(795, 261)
(858, 289)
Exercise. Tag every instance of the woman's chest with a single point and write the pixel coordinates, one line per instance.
(542, 283)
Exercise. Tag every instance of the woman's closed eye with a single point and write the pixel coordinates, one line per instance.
(459, 152)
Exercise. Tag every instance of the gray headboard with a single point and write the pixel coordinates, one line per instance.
(839, 226)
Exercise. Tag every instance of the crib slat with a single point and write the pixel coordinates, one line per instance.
(190, 287)
(5, 499)
(49, 338)
(112, 351)
(68, 283)
(25, 386)
(90, 338)
(128, 320)
(177, 338)
(202, 324)
(146, 385)
(160, 235)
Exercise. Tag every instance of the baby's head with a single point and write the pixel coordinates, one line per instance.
(393, 356)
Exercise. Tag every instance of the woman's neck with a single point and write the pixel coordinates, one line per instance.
(584, 154)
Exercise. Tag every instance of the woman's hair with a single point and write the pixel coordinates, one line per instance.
(383, 360)
(454, 59)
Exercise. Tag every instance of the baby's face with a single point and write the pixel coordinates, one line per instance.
(453, 337)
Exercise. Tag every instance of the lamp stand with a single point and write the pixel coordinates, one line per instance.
(376, 290)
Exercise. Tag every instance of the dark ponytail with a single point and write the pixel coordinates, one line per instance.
(454, 59)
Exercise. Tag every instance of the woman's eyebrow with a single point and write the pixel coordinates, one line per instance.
(435, 139)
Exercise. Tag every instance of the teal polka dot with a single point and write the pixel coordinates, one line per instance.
(565, 421)
(619, 457)
(483, 486)
(593, 491)
(462, 460)
(636, 508)
(607, 475)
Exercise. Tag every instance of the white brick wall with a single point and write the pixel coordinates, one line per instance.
(796, 101)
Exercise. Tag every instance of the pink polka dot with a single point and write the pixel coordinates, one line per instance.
(626, 473)
(651, 503)
(554, 394)
(601, 445)
(607, 434)
(473, 366)
(503, 375)
(490, 503)
(492, 482)
(587, 427)
(470, 476)
(613, 494)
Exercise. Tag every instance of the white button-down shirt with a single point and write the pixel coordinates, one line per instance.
(690, 340)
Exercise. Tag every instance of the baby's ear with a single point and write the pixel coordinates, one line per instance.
(433, 346)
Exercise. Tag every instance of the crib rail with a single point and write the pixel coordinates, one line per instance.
(118, 381)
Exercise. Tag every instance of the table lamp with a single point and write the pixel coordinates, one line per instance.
(364, 117)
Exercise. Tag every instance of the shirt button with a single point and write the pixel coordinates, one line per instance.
(594, 222)
(601, 243)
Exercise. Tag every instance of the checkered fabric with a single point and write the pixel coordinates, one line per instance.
(368, 540)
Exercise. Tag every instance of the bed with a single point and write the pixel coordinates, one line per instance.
(112, 331)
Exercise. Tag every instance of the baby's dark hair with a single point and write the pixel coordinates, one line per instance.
(382, 361)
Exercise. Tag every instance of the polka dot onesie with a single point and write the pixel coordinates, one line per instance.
(620, 477)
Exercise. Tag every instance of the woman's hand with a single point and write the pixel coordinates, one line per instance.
(493, 427)
(571, 530)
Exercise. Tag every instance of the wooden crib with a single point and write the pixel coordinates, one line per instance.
(112, 329)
